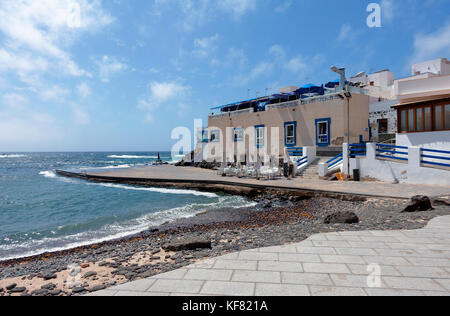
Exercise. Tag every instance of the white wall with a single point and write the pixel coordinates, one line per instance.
(430, 140)
(411, 172)
(437, 66)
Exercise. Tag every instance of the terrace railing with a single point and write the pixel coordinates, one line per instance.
(435, 158)
(386, 152)
(288, 104)
(358, 150)
(335, 161)
(296, 151)
(302, 161)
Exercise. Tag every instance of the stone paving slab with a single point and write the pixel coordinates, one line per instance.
(391, 263)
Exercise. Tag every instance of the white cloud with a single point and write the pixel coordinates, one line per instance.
(109, 66)
(432, 45)
(345, 32)
(80, 116)
(388, 10)
(284, 6)
(83, 90)
(14, 101)
(296, 64)
(54, 93)
(44, 29)
(203, 47)
(238, 7)
(198, 12)
(161, 93)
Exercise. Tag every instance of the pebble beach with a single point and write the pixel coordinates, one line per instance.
(278, 218)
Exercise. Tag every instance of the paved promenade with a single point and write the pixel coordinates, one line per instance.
(207, 177)
(409, 263)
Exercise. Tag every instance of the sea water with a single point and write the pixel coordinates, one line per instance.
(43, 212)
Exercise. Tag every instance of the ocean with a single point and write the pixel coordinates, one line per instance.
(43, 212)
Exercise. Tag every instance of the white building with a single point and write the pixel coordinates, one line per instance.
(424, 106)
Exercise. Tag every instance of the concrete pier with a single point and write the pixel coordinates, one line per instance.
(209, 180)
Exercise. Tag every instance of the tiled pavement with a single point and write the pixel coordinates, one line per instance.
(347, 263)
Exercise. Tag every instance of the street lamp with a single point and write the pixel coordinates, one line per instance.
(343, 86)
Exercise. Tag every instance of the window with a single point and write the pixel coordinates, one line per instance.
(419, 120)
(323, 132)
(424, 117)
(382, 126)
(290, 134)
(411, 120)
(403, 121)
(238, 134)
(259, 136)
(447, 116)
(427, 118)
(438, 117)
(205, 138)
(215, 136)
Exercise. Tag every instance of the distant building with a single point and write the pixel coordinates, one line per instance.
(423, 107)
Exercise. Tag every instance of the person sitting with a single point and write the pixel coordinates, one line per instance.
(287, 165)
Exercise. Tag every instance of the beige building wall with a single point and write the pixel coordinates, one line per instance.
(305, 115)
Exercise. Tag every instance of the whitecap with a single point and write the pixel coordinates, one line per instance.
(48, 174)
(157, 190)
(12, 156)
(131, 157)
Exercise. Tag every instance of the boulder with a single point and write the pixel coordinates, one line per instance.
(11, 286)
(190, 244)
(89, 274)
(48, 276)
(78, 289)
(97, 288)
(419, 203)
(342, 218)
(18, 290)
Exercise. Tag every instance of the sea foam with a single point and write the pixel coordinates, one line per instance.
(157, 190)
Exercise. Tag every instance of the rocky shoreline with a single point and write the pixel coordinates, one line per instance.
(279, 218)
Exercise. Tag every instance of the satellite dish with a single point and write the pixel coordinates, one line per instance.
(360, 74)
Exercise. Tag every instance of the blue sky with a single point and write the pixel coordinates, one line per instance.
(122, 74)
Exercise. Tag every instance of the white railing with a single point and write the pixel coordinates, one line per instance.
(229, 114)
(283, 105)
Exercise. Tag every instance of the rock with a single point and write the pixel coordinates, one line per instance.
(190, 244)
(419, 203)
(342, 218)
(18, 290)
(78, 289)
(55, 292)
(49, 286)
(84, 265)
(89, 274)
(41, 292)
(48, 276)
(1, 290)
(97, 288)
(11, 286)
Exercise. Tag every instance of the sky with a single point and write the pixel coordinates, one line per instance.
(119, 75)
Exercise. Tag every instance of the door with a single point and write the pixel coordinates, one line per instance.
(323, 132)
